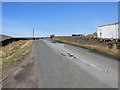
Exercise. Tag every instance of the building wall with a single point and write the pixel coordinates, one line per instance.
(108, 31)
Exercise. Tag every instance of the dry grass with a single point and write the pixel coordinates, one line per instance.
(114, 53)
(13, 53)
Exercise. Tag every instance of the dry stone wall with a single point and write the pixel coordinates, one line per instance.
(91, 41)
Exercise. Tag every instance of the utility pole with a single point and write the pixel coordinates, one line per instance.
(33, 33)
(33, 46)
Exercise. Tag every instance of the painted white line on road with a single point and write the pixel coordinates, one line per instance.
(63, 49)
(88, 62)
(82, 59)
(93, 65)
(62, 44)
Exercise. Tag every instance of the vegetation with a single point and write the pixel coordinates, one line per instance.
(92, 35)
(13, 53)
(113, 52)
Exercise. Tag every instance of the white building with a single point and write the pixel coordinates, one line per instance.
(109, 31)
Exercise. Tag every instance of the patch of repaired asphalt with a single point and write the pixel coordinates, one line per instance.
(24, 77)
(23, 72)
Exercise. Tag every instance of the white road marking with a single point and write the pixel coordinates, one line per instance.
(93, 65)
(61, 44)
(61, 50)
(82, 59)
(88, 63)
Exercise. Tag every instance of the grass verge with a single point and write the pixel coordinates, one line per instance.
(114, 53)
(13, 53)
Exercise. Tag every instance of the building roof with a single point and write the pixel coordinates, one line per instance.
(109, 24)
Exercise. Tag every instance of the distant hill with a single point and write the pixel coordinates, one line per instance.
(3, 37)
(92, 35)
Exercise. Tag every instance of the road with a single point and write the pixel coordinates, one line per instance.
(60, 65)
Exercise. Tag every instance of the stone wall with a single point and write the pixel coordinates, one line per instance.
(91, 41)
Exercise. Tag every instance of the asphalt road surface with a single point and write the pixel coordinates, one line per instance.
(59, 65)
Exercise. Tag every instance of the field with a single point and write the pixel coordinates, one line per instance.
(91, 44)
(13, 53)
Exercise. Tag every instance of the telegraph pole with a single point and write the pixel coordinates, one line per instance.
(33, 46)
(33, 33)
